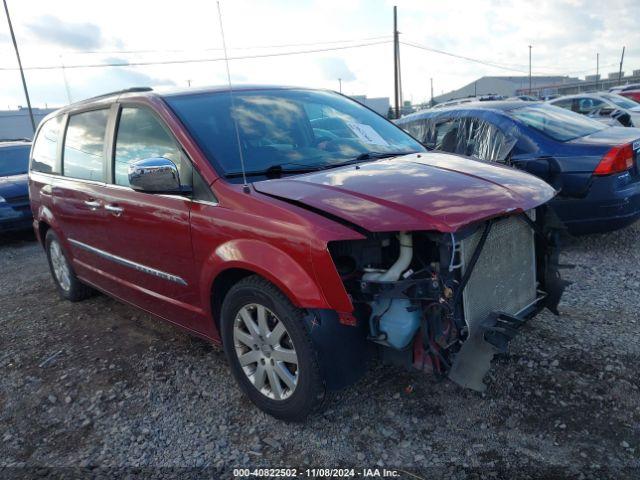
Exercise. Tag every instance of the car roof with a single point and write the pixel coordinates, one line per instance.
(164, 92)
(496, 106)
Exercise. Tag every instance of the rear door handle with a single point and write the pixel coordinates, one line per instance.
(92, 204)
(114, 209)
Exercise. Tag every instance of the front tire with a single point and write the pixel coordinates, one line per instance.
(68, 285)
(269, 350)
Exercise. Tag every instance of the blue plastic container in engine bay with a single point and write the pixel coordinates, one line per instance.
(396, 319)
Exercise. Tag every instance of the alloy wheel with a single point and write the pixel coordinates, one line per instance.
(265, 351)
(60, 266)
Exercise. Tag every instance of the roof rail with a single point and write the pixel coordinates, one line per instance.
(118, 92)
(22, 139)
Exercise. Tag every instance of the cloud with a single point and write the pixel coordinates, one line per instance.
(4, 38)
(79, 36)
(333, 68)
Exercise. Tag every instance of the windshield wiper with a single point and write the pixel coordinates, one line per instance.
(367, 156)
(378, 155)
(275, 171)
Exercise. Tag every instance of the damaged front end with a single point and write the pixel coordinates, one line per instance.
(447, 302)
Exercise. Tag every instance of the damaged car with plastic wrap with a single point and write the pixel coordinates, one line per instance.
(299, 229)
(594, 168)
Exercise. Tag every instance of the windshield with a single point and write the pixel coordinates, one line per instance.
(14, 160)
(291, 130)
(556, 122)
(620, 101)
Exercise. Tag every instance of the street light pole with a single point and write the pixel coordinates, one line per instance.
(24, 82)
(340, 83)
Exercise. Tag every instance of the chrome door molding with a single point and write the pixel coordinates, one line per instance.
(129, 263)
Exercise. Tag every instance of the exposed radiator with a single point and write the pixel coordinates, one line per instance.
(504, 277)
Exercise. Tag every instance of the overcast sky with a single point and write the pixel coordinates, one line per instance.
(565, 34)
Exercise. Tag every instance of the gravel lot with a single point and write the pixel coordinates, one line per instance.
(100, 384)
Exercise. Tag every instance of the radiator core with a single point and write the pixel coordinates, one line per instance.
(504, 277)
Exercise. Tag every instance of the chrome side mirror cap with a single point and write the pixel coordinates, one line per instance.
(154, 175)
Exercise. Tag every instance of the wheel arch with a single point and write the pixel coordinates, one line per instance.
(237, 259)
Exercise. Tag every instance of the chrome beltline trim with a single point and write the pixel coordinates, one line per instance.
(129, 263)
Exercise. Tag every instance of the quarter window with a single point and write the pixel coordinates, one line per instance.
(84, 145)
(46, 147)
(141, 136)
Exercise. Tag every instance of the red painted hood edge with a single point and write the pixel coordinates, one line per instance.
(427, 191)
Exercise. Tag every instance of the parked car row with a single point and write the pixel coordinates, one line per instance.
(594, 168)
(609, 108)
(300, 230)
(631, 91)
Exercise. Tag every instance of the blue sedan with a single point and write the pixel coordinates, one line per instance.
(594, 167)
(15, 211)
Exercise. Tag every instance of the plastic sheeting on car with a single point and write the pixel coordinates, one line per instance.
(472, 137)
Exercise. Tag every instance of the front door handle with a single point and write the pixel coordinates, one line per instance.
(114, 209)
(92, 204)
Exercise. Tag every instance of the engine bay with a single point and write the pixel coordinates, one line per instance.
(423, 295)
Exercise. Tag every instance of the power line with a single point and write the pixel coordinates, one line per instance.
(282, 45)
(197, 60)
(503, 66)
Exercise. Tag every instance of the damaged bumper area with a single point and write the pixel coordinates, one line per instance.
(446, 303)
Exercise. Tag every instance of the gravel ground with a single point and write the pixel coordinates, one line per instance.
(100, 384)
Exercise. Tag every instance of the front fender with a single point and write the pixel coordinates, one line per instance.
(275, 265)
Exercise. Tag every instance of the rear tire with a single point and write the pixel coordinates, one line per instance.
(269, 350)
(68, 285)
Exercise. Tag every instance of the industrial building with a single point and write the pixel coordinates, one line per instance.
(503, 85)
(16, 124)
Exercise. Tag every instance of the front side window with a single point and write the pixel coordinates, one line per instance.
(14, 160)
(83, 155)
(141, 136)
(446, 136)
(588, 105)
(556, 122)
(285, 129)
(483, 140)
(46, 146)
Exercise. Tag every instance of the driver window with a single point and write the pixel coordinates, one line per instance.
(588, 105)
(141, 135)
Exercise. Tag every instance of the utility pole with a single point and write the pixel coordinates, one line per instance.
(529, 69)
(340, 84)
(620, 71)
(24, 82)
(396, 63)
(432, 92)
(597, 70)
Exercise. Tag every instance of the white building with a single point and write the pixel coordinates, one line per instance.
(16, 123)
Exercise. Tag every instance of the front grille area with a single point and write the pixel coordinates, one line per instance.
(504, 277)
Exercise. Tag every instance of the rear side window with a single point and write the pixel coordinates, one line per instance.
(83, 155)
(46, 147)
(141, 136)
(566, 103)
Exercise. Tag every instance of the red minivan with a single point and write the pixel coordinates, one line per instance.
(297, 228)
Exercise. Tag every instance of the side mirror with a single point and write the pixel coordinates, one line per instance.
(154, 175)
(607, 112)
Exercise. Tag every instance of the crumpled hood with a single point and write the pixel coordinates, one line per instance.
(14, 186)
(426, 191)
